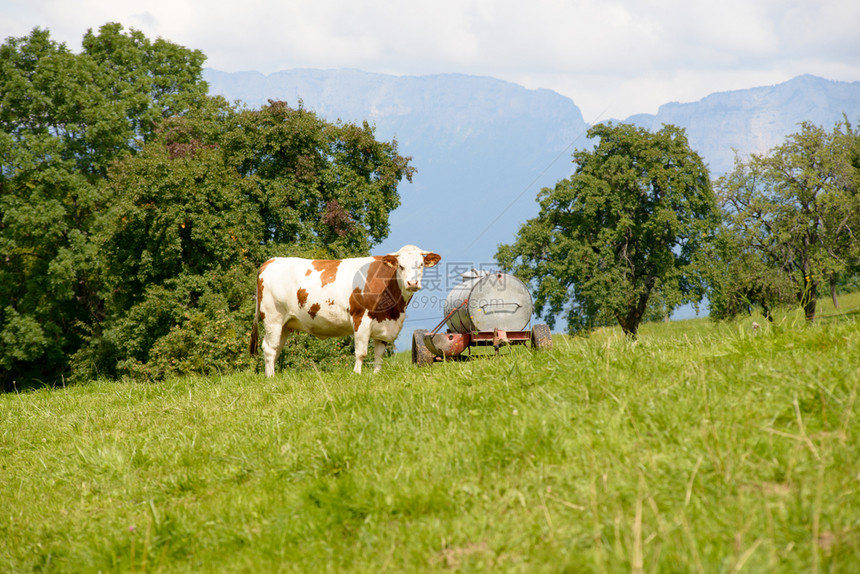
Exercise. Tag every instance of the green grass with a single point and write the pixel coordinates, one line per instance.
(701, 447)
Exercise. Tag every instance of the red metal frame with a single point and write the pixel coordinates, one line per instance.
(453, 344)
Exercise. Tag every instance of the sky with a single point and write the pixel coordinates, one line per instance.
(613, 58)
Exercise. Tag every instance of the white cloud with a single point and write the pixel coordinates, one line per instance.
(628, 55)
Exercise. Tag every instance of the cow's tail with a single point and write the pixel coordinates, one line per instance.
(255, 329)
(252, 348)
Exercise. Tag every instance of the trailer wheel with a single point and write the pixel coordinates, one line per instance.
(421, 355)
(541, 338)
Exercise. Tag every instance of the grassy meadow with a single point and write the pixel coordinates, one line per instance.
(701, 447)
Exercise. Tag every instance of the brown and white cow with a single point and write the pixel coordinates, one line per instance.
(365, 297)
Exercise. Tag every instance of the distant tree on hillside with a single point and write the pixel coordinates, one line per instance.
(795, 213)
(739, 274)
(624, 227)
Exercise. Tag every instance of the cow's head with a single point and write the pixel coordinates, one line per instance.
(409, 263)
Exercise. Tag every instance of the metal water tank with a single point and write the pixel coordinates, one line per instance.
(492, 301)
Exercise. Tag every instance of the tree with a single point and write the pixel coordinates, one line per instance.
(325, 188)
(64, 118)
(624, 227)
(796, 211)
(739, 274)
(177, 240)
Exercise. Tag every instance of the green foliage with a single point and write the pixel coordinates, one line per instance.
(63, 118)
(701, 447)
(173, 212)
(624, 227)
(851, 283)
(740, 276)
(304, 352)
(187, 324)
(151, 81)
(327, 188)
(791, 220)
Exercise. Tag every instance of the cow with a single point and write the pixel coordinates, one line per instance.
(365, 297)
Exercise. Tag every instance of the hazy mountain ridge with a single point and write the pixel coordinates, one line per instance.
(354, 93)
(757, 119)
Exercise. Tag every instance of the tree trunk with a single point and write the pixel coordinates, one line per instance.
(630, 322)
(629, 326)
(809, 310)
(808, 300)
(833, 291)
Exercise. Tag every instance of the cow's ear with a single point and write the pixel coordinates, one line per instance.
(431, 259)
(390, 260)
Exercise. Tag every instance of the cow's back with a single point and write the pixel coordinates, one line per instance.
(309, 295)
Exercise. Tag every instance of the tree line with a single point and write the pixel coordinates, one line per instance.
(640, 229)
(135, 208)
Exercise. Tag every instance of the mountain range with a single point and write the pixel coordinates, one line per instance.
(483, 147)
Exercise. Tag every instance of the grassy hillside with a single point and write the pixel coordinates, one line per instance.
(699, 448)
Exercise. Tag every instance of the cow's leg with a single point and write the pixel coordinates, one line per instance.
(378, 352)
(273, 342)
(362, 340)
